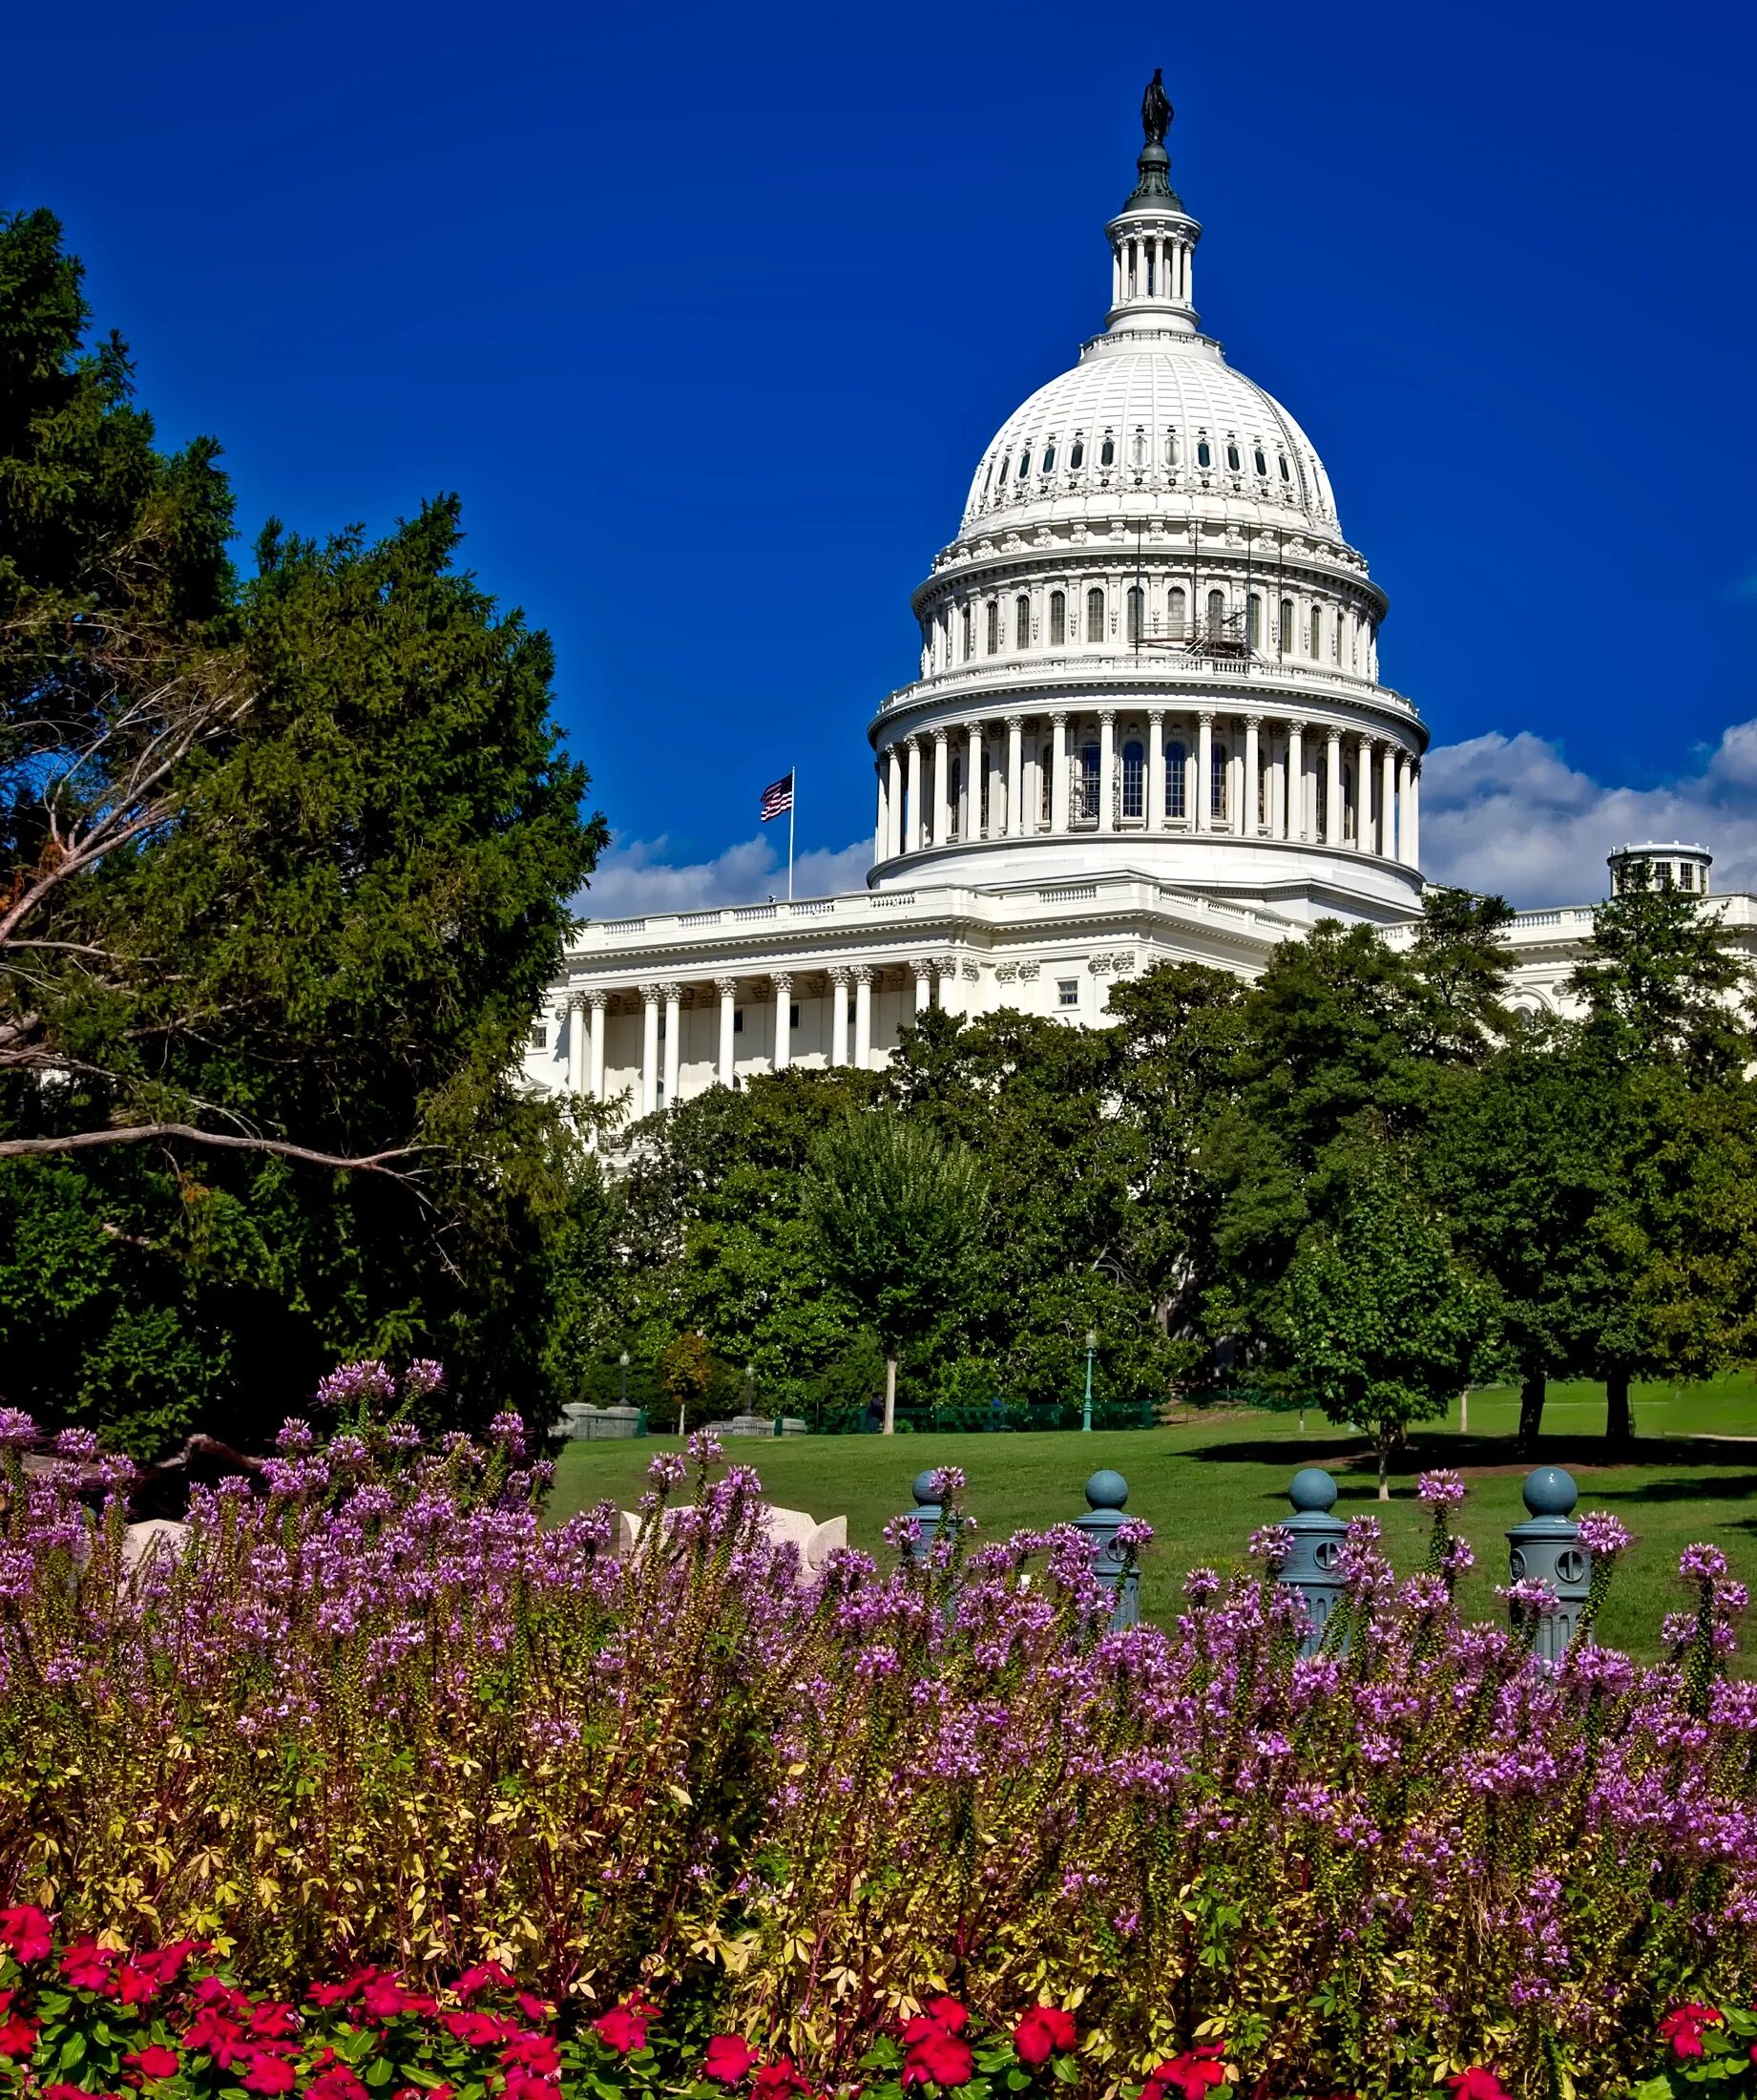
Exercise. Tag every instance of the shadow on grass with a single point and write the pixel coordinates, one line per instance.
(1354, 1462)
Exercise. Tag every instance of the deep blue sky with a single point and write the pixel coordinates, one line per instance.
(708, 312)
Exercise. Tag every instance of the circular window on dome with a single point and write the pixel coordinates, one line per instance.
(1262, 464)
(1232, 457)
(1204, 456)
(1078, 456)
(1107, 452)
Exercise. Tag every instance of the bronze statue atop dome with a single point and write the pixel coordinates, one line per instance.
(1156, 110)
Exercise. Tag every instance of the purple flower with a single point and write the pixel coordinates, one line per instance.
(1273, 1544)
(294, 1437)
(1134, 1535)
(1528, 1595)
(422, 1378)
(16, 1428)
(1602, 1535)
(1702, 1564)
(1444, 1488)
(508, 1431)
(947, 1482)
(359, 1384)
(77, 1443)
(667, 1470)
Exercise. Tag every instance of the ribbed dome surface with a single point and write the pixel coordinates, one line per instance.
(1131, 421)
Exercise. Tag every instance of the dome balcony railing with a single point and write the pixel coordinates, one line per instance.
(1053, 670)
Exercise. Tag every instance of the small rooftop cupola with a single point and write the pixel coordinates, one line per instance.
(1669, 863)
(1153, 239)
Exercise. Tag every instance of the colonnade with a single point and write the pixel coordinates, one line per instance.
(661, 1005)
(1251, 776)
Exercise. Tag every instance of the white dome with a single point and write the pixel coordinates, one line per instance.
(1157, 400)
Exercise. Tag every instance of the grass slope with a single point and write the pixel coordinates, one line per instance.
(1207, 1483)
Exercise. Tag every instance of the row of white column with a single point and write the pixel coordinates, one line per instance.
(1388, 813)
(850, 1031)
(1141, 260)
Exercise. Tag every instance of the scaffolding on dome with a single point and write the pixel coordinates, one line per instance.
(1222, 639)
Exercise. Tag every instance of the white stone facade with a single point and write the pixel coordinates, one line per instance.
(1147, 725)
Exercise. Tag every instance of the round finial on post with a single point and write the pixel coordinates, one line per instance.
(1106, 1490)
(1312, 1488)
(926, 1490)
(1550, 1491)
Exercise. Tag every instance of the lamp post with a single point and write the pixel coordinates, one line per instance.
(622, 1360)
(1092, 1348)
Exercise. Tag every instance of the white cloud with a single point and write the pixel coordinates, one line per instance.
(1509, 814)
(638, 878)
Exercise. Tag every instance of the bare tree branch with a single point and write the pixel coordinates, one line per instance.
(141, 1133)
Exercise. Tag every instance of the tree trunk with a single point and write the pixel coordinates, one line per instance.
(1532, 1390)
(891, 1396)
(1619, 1416)
(1384, 1473)
(1464, 1411)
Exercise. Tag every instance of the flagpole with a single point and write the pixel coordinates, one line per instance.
(791, 800)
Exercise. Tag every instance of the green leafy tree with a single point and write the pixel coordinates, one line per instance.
(1661, 981)
(1375, 1319)
(894, 1210)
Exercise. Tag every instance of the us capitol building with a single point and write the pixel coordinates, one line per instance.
(1148, 724)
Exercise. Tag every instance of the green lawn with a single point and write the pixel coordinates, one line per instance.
(1207, 1483)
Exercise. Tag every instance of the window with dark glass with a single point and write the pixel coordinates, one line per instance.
(1232, 457)
(1285, 636)
(1317, 631)
(1217, 782)
(1136, 610)
(1204, 457)
(1217, 612)
(1078, 456)
(1024, 465)
(1133, 780)
(1176, 759)
(1095, 615)
(1089, 780)
(1004, 464)
(1286, 475)
(1262, 464)
(970, 632)
(1022, 622)
(993, 626)
(1107, 452)
(1067, 991)
(1049, 456)
(1177, 608)
(1253, 621)
(1057, 619)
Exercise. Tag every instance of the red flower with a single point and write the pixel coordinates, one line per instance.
(948, 2015)
(272, 2021)
(338, 2083)
(1682, 2028)
(269, 2073)
(165, 1965)
(624, 2027)
(476, 2030)
(526, 2085)
(338, 1994)
(778, 2081)
(222, 2038)
(155, 2061)
(1187, 2075)
(533, 2053)
(533, 2009)
(86, 1965)
(485, 1976)
(728, 2059)
(940, 2058)
(1476, 2084)
(17, 2035)
(212, 1992)
(26, 1931)
(133, 1984)
(1044, 2031)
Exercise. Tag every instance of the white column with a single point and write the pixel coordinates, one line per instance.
(839, 1014)
(912, 746)
(1235, 785)
(1414, 855)
(863, 1017)
(673, 1033)
(649, 1049)
(1403, 809)
(1015, 776)
(1107, 770)
(881, 828)
(947, 972)
(1253, 767)
(728, 988)
(1278, 788)
(1156, 770)
(595, 1002)
(1204, 772)
(973, 780)
(783, 1019)
(1296, 778)
(893, 803)
(1388, 802)
(576, 1012)
(942, 784)
(923, 986)
(1058, 774)
(1332, 787)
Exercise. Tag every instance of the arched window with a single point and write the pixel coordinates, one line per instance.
(1107, 452)
(1089, 782)
(1095, 614)
(1178, 610)
(1024, 465)
(1253, 621)
(1049, 457)
(1284, 636)
(1217, 782)
(970, 631)
(1138, 599)
(1057, 619)
(1205, 455)
(1317, 631)
(993, 626)
(1133, 780)
(1171, 447)
(1176, 760)
(1286, 475)
(1262, 465)
(1138, 449)
(1078, 456)
(1004, 464)
(1217, 612)
(1232, 457)
(1021, 622)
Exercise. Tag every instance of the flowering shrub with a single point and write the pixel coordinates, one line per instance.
(922, 1828)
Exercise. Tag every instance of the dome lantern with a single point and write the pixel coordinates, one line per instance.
(1153, 239)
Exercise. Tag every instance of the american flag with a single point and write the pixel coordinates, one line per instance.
(778, 797)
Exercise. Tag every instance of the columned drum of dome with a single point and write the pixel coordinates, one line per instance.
(1149, 644)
